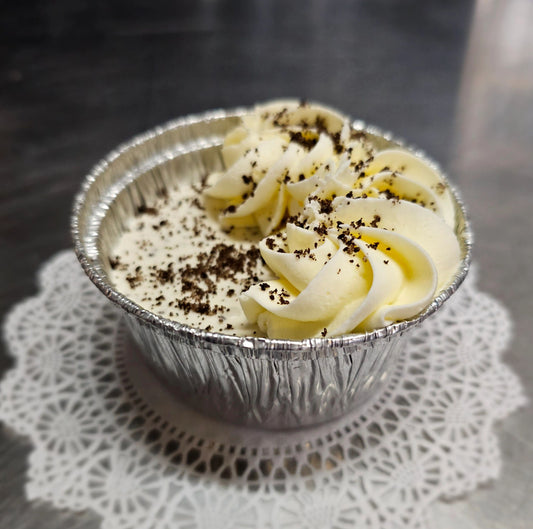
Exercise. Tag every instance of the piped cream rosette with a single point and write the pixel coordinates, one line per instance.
(358, 275)
(279, 144)
(369, 238)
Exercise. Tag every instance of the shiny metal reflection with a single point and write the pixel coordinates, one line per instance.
(273, 384)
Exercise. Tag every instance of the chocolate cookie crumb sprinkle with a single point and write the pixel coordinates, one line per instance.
(300, 190)
(196, 272)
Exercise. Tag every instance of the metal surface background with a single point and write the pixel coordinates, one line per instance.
(456, 78)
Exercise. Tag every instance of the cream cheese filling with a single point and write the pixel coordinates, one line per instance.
(311, 230)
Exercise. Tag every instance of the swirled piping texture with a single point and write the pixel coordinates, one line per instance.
(358, 238)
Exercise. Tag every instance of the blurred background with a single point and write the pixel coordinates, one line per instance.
(454, 78)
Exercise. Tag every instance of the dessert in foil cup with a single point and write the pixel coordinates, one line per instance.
(258, 381)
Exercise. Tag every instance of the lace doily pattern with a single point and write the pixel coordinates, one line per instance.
(109, 436)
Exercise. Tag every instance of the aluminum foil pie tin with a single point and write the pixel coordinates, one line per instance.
(261, 382)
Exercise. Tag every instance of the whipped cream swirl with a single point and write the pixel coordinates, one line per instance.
(280, 144)
(357, 237)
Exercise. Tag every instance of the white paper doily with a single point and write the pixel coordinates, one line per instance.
(108, 436)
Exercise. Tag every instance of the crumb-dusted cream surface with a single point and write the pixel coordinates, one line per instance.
(310, 230)
(175, 260)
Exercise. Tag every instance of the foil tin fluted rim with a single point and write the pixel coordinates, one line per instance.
(253, 347)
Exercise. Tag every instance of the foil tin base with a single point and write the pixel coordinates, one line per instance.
(273, 384)
(269, 393)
